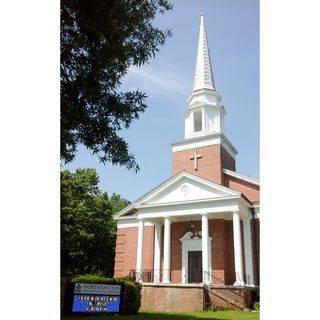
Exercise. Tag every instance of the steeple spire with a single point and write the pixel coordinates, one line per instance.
(205, 115)
(203, 78)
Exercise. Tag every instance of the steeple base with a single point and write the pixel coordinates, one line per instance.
(205, 157)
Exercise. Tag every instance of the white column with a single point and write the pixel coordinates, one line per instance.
(166, 250)
(205, 253)
(237, 249)
(156, 256)
(248, 251)
(139, 250)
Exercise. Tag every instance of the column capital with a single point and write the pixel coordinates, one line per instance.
(157, 224)
(235, 213)
(204, 214)
(168, 219)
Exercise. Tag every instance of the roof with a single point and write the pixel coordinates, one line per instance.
(241, 177)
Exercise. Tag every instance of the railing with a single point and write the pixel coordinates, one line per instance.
(145, 275)
(216, 278)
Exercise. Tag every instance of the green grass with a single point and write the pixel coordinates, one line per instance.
(150, 315)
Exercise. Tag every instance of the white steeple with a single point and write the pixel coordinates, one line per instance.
(205, 114)
(203, 77)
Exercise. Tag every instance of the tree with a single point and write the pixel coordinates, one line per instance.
(100, 40)
(118, 203)
(88, 230)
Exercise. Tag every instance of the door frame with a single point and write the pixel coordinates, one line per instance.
(192, 244)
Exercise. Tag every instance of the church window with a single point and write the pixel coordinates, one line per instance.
(197, 120)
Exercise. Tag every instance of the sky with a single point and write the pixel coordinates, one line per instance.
(233, 36)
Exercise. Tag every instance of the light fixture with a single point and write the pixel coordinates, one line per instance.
(191, 224)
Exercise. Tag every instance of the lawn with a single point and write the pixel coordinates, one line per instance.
(149, 315)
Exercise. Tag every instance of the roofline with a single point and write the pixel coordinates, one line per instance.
(126, 217)
(208, 182)
(246, 199)
(241, 177)
(133, 204)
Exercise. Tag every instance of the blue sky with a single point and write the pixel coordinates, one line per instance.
(233, 34)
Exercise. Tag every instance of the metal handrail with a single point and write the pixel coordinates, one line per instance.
(157, 275)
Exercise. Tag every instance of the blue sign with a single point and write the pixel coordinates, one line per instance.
(94, 298)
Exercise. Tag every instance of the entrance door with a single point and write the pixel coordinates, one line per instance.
(194, 266)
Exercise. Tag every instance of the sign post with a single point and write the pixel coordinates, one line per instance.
(96, 298)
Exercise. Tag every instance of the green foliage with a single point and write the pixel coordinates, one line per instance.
(125, 278)
(100, 40)
(131, 294)
(92, 278)
(88, 230)
(256, 306)
(118, 203)
(156, 315)
(218, 308)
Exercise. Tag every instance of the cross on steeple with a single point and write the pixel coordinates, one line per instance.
(195, 158)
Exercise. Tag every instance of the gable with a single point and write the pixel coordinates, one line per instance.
(181, 187)
(186, 188)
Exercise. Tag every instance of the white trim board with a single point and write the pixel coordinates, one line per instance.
(131, 223)
(205, 140)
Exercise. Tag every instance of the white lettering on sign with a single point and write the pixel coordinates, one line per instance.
(95, 288)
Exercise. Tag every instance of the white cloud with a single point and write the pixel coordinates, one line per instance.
(163, 81)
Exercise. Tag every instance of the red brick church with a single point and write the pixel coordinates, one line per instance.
(196, 235)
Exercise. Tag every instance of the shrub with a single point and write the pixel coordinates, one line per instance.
(256, 306)
(131, 299)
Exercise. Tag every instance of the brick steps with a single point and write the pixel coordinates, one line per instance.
(179, 297)
(229, 297)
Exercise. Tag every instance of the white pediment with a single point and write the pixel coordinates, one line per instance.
(186, 187)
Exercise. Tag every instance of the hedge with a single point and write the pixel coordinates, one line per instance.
(256, 306)
(131, 295)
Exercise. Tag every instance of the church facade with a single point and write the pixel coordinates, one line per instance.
(199, 228)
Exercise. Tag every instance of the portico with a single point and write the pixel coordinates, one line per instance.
(203, 244)
(217, 203)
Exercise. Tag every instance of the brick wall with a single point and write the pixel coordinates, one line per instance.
(251, 191)
(126, 250)
(222, 252)
(172, 298)
(227, 161)
(214, 158)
